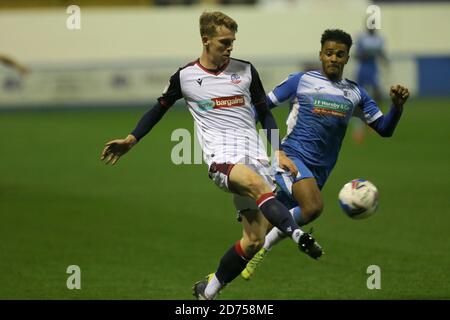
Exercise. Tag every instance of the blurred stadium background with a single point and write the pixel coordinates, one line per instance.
(148, 229)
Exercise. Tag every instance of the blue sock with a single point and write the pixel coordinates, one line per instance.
(298, 217)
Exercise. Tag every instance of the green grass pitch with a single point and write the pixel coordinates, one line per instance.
(148, 229)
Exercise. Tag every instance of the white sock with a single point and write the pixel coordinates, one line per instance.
(213, 288)
(273, 237)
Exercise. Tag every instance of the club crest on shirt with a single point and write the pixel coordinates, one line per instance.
(235, 78)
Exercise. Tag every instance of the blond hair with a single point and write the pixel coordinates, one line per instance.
(209, 21)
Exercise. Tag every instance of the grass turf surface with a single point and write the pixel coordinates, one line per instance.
(148, 229)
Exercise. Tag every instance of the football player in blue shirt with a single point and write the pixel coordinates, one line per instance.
(369, 51)
(322, 103)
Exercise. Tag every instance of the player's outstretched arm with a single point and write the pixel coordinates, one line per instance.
(116, 148)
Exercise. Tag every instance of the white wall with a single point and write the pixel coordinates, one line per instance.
(109, 34)
(275, 38)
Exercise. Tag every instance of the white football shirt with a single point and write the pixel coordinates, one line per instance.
(221, 103)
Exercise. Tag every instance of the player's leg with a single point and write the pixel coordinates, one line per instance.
(255, 240)
(236, 258)
(254, 226)
(302, 191)
(310, 205)
(246, 182)
(303, 194)
(274, 236)
(307, 194)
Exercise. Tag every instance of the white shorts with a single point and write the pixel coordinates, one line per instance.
(219, 173)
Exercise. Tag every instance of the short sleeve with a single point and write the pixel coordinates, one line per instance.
(368, 106)
(285, 90)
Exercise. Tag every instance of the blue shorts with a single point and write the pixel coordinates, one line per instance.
(285, 181)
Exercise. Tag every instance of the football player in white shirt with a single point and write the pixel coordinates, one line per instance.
(220, 93)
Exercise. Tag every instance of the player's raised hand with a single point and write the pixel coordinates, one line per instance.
(285, 163)
(399, 95)
(116, 148)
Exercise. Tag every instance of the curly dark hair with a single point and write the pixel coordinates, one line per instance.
(337, 35)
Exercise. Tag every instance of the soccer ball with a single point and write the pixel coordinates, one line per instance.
(359, 198)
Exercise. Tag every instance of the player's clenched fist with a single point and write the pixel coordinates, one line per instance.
(399, 95)
(116, 148)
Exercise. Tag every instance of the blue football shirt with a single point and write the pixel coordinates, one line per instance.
(319, 115)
